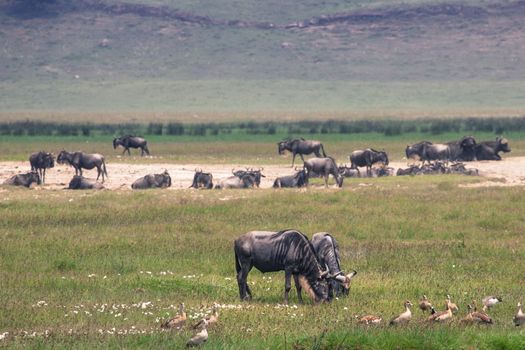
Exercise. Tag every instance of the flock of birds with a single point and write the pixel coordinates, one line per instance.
(473, 316)
(201, 328)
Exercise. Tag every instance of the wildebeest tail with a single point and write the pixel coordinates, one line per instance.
(104, 167)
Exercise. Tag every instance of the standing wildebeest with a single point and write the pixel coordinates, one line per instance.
(202, 180)
(327, 251)
(153, 181)
(428, 151)
(488, 150)
(24, 179)
(78, 182)
(40, 161)
(463, 150)
(79, 160)
(257, 174)
(301, 147)
(367, 157)
(416, 149)
(130, 141)
(287, 250)
(325, 167)
(299, 179)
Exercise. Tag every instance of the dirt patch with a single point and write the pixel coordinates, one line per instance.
(510, 171)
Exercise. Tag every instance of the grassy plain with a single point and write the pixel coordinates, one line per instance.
(75, 252)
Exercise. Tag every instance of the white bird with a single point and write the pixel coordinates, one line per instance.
(490, 301)
(405, 316)
(200, 337)
(519, 318)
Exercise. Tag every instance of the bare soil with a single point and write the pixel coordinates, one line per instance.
(508, 172)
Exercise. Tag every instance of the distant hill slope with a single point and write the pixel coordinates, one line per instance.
(105, 55)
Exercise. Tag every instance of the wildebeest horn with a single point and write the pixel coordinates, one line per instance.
(325, 273)
(352, 274)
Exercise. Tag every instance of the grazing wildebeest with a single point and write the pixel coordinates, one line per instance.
(40, 161)
(152, 181)
(463, 150)
(24, 179)
(287, 250)
(202, 180)
(130, 141)
(325, 167)
(488, 150)
(257, 174)
(367, 158)
(299, 179)
(81, 160)
(246, 181)
(301, 147)
(348, 172)
(78, 182)
(327, 251)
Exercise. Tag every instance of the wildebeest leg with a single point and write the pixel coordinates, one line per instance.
(298, 288)
(287, 285)
(242, 275)
(124, 151)
(129, 153)
(43, 175)
(293, 158)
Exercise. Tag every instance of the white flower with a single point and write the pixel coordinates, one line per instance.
(4, 335)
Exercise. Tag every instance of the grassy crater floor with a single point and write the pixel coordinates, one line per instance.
(103, 269)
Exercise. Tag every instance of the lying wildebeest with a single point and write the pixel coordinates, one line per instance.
(299, 179)
(325, 167)
(152, 181)
(367, 158)
(462, 150)
(412, 170)
(24, 179)
(327, 251)
(78, 182)
(433, 168)
(488, 150)
(246, 181)
(301, 147)
(130, 141)
(202, 180)
(287, 250)
(257, 174)
(81, 160)
(40, 161)
(348, 172)
(382, 171)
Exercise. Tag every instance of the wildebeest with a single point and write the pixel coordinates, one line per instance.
(287, 250)
(25, 180)
(81, 160)
(382, 171)
(327, 251)
(367, 158)
(299, 179)
(301, 147)
(202, 180)
(462, 150)
(152, 181)
(325, 167)
(459, 168)
(40, 161)
(488, 150)
(428, 151)
(130, 141)
(257, 174)
(416, 150)
(246, 181)
(78, 182)
(412, 170)
(348, 172)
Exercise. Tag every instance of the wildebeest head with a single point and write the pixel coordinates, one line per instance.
(503, 144)
(383, 157)
(63, 157)
(345, 281)
(116, 142)
(283, 146)
(318, 288)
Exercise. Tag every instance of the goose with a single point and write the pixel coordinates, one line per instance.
(440, 316)
(424, 304)
(370, 319)
(201, 336)
(519, 318)
(476, 316)
(176, 322)
(448, 304)
(490, 301)
(211, 319)
(405, 316)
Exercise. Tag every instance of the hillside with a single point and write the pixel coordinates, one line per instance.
(332, 56)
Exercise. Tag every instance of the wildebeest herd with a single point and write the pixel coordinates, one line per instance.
(434, 158)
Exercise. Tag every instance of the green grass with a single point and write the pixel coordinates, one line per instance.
(233, 148)
(406, 237)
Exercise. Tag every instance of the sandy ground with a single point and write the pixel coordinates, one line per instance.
(510, 171)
